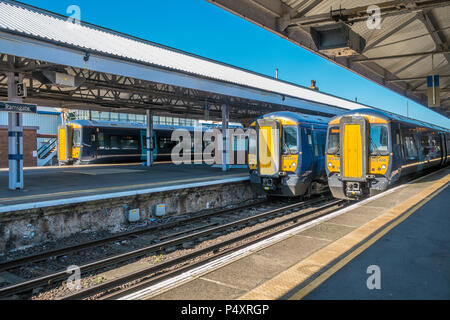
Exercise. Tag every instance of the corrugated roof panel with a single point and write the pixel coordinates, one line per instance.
(21, 19)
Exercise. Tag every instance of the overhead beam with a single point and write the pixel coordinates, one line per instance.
(438, 37)
(357, 14)
(415, 78)
(398, 56)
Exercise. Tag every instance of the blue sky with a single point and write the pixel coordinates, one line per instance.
(199, 27)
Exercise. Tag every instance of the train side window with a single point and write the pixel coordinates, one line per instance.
(323, 142)
(316, 144)
(101, 141)
(114, 143)
(129, 143)
(410, 147)
(425, 144)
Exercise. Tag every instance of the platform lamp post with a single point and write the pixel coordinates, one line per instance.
(15, 133)
(149, 139)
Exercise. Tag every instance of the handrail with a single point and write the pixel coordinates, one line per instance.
(46, 148)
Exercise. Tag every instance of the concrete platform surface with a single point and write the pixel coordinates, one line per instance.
(413, 261)
(55, 183)
(413, 256)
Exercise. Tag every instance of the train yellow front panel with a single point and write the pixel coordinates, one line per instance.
(333, 163)
(379, 165)
(289, 163)
(352, 151)
(266, 161)
(76, 153)
(62, 151)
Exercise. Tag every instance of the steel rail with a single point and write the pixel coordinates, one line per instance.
(88, 292)
(7, 265)
(49, 279)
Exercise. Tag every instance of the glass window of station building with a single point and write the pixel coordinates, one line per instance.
(125, 117)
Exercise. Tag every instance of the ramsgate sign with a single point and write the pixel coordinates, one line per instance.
(18, 107)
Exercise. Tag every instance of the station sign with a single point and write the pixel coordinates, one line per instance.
(18, 107)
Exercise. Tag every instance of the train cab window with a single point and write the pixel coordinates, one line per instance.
(334, 144)
(379, 140)
(290, 140)
(77, 137)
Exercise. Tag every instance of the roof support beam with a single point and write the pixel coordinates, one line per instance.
(399, 56)
(309, 8)
(415, 78)
(432, 28)
(389, 8)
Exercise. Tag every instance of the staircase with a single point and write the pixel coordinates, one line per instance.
(47, 152)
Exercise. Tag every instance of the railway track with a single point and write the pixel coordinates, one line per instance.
(7, 265)
(124, 285)
(172, 240)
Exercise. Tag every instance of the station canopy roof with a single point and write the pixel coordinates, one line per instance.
(408, 42)
(72, 64)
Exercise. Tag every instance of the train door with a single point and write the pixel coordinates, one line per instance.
(410, 151)
(307, 150)
(322, 140)
(444, 150)
(269, 155)
(397, 150)
(88, 145)
(65, 143)
(354, 155)
(143, 144)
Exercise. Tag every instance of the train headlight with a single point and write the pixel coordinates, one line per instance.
(383, 167)
(294, 165)
(330, 164)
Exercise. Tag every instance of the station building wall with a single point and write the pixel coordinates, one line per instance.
(29, 146)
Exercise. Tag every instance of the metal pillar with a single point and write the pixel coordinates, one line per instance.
(15, 137)
(149, 138)
(225, 153)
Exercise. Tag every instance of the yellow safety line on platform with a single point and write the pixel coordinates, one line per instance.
(124, 188)
(282, 284)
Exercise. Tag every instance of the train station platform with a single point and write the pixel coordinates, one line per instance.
(49, 186)
(392, 246)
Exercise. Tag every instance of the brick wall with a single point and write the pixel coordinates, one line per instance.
(29, 145)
